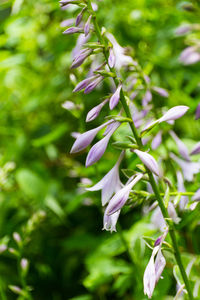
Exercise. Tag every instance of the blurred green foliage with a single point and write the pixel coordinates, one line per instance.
(41, 194)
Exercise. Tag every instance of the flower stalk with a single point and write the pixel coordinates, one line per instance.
(140, 145)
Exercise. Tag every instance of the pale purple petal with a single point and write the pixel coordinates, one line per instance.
(109, 222)
(181, 188)
(86, 138)
(160, 263)
(97, 151)
(111, 58)
(84, 83)
(94, 112)
(189, 56)
(183, 29)
(66, 23)
(181, 146)
(197, 114)
(149, 279)
(174, 113)
(156, 141)
(148, 161)
(87, 26)
(196, 149)
(147, 98)
(162, 92)
(120, 198)
(80, 58)
(115, 97)
(196, 196)
(79, 17)
(72, 30)
(93, 84)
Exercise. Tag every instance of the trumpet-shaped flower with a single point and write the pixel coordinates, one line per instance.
(196, 149)
(110, 221)
(110, 183)
(181, 146)
(115, 97)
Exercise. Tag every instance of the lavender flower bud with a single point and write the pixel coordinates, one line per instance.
(162, 92)
(156, 141)
(120, 198)
(183, 29)
(196, 149)
(87, 26)
(93, 84)
(24, 264)
(181, 146)
(174, 113)
(17, 237)
(158, 241)
(111, 58)
(72, 30)
(181, 188)
(148, 161)
(99, 148)
(197, 115)
(79, 17)
(115, 97)
(80, 58)
(94, 112)
(86, 138)
(84, 83)
(67, 23)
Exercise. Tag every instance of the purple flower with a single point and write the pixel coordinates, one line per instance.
(111, 58)
(86, 138)
(120, 198)
(162, 92)
(79, 17)
(72, 30)
(189, 56)
(99, 148)
(181, 188)
(87, 26)
(110, 183)
(196, 149)
(66, 23)
(153, 271)
(94, 112)
(148, 161)
(188, 168)
(90, 87)
(196, 196)
(115, 97)
(109, 222)
(158, 220)
(183, 29)
(147, 98)
(156, 141)
(197, 114)
(181, 146)
(174, 113)
(84, 83)
(79, 59)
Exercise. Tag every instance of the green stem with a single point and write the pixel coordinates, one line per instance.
(151, 178)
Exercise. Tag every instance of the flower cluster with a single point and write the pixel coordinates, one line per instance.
(107, 60)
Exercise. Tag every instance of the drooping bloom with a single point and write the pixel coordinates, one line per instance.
(94, 112)
(174, 113)
(84, 83)
(183, 29)
(99, 148)
(181, 146)
(188, 168)
(162, 92)
(156, 141)
(196, 149)
(197, 114)
(153, 271)
(181, 188)
(110, 183)
(148, 161)
(115, 97)
(111, 58)
(110, 221)
(120, 198)
(91, 86)
(87, 26)
(86, 138)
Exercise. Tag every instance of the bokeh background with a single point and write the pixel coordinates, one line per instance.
(41, 184)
